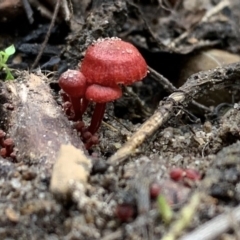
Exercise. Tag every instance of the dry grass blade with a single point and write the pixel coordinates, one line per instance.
(213, 228)
(195, 86)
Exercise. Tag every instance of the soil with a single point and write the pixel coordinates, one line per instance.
(184, 116)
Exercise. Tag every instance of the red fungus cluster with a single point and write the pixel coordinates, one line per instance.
(187, 176)
(108, 63)
(6, 146)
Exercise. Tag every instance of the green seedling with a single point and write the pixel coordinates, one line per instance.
(4, 55)
(165, 209)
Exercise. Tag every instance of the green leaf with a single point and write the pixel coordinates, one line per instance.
(164, 209)
(5, 58)
(9, 76)
(10, 50)
(1, 60)
(4, 55)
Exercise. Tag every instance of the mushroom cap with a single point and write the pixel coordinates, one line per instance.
(8, 142)
(73, 83)
(101, 94)
(111, 61)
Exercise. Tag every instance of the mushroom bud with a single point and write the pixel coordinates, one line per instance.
(73, 83)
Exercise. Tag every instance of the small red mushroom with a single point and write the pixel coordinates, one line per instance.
(177, 174)
(9, 145)
(187, 176)
(3, 152)
(108, 63)
(192, 174)
(155, 190)
(73, 83)
(124, 212)
(7, 150)
(100, 95)
(94, 140)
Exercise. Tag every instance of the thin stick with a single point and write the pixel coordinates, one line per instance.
(216, 226)
(194, 87)
(28, 10)
(168, 86)
(47, 35)
(216, 9)
(66, 10)
(113, 236)
(41, 8)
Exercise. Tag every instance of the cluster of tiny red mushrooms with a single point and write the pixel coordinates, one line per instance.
(187, 177)
(6, 146)
(108, 64)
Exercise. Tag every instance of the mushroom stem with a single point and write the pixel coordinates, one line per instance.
(97, 117)
(2, 135)
(8, 146)
(76, 106)
(84, 104)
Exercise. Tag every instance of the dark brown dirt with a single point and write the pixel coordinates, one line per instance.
(201, 137)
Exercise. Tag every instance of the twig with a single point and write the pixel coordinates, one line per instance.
(66, 10)
(110, 126)
(139, 12)
(139, 102)
(216, 226)
(114, 235)
(195, 86)
(28, 10)
(41, 8)
(47, 35)
(204, 148)
(218, 8)
(168, 86)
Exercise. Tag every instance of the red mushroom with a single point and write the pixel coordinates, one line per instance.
(73, 83)
(155, 190)
(101, 95)
(109, 62)
(177, 174)
(192, 174)
(124, 212)
(8, 148)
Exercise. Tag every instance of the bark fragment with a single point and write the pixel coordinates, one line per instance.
(37, 124)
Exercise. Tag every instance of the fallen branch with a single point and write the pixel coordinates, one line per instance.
(195, 86)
